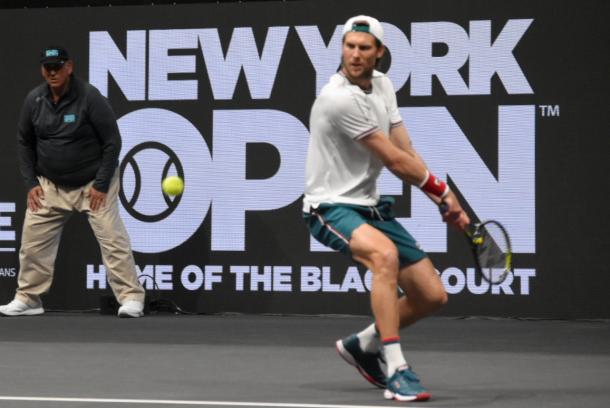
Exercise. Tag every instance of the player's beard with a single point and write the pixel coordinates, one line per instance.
(366, 74)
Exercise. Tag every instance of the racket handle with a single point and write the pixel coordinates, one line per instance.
(443, 207)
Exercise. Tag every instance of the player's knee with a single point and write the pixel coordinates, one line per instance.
(385, 263)
(442, 299)
(437, 300)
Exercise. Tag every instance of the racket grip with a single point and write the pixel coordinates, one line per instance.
(443, 207)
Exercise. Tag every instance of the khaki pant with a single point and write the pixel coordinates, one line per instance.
(42, 232)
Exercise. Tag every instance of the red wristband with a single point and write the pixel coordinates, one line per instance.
(434, 185)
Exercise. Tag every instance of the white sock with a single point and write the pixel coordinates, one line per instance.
(393, 355)
(369, 339)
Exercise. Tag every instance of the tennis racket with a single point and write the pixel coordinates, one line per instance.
(490, 245)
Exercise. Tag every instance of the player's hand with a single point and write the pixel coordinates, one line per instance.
(34, 196)
(97, 199)
(453, 213)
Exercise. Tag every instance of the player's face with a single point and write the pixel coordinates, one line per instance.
(57, 74)
(360, 54)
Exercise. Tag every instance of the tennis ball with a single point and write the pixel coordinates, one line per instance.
(172, 185)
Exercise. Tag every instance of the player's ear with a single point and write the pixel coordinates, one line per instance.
(380, 51)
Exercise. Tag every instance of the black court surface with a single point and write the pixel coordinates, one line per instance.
(89, 360)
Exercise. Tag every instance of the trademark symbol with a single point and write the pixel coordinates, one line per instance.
(549, 111)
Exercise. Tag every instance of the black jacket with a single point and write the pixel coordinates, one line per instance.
(70, 143)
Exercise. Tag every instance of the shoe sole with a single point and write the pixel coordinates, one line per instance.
(28, 312)
(349, 359)
(422, 396)
(128, 315)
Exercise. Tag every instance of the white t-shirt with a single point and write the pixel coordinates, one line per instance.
(340, 169)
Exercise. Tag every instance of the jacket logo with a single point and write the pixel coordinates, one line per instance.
(71, 118)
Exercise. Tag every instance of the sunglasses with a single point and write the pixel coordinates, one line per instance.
(53, 66)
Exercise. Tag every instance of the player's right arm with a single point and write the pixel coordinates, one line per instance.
(407, 165)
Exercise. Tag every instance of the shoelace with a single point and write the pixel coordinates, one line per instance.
(409, 374)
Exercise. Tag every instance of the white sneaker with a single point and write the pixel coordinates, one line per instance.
(131, 308)
(18, 308)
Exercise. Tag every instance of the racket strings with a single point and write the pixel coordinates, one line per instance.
(492, 255)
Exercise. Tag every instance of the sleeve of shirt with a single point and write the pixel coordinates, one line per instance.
(352, 116)
(395, 118)
(26, 145)
(104, 122)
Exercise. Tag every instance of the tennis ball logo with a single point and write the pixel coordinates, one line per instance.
(172, 186)
(152, 181)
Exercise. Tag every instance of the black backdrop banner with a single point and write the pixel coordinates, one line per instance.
(505, 99)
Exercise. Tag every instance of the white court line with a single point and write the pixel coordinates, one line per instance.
(189, 402)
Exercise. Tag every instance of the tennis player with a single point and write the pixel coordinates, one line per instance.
(356, 130)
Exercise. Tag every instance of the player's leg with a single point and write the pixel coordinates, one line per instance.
(425, 293)
(333, 226)
(115, 246)
(373, 249)
(39, 244)
(378, 253)
(417, 277)
(402, 383)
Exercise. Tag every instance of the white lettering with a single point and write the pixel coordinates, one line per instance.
(260, 71)
(282, 279)
(524, 276)
(278, 278)
(508, 197)
(352, 281)
(146, 276)
(233, 129)
(504, 286)
(487, 59)
(6, 234)
(315, 279)
(445, 67)
(163, 277)
(213, 274)
(257, 278)
(413, 59)
(161, 64)
(325, 59)
(191, 277)
(128, 71)
(96, 277)
(239, 272)
(156, 276)
(310, 279)
(8, 272)
(456, 281)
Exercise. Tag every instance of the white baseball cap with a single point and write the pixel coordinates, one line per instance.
(364, 24)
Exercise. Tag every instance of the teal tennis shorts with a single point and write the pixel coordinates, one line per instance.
(333, 224)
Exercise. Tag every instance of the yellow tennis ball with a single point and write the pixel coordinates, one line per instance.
(172, 185)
